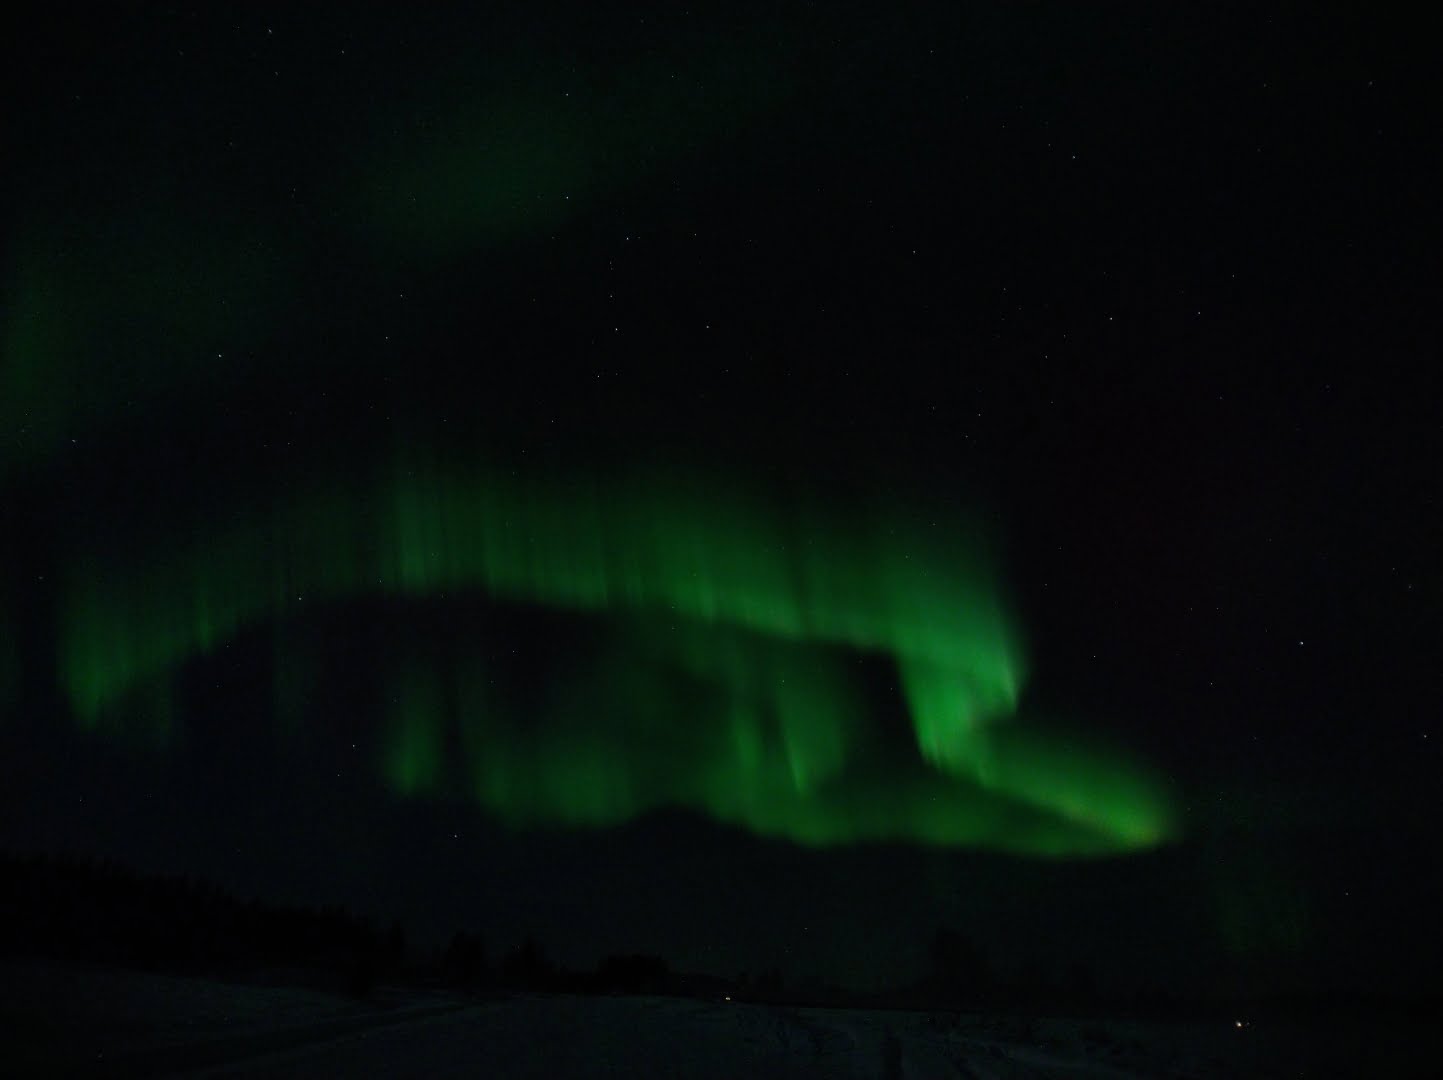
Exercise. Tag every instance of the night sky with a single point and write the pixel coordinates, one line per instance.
(750, 484)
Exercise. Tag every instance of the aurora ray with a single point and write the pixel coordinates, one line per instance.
(738, 615)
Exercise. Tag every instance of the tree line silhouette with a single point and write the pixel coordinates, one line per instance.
(97, 912)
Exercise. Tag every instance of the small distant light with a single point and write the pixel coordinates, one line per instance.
(1238, 1023)
(728, 997)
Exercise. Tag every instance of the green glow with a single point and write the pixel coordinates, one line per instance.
(106, 316)
(685, 546)
(737, 626)
(114, 310)
(509, 148)
(758, 733)
(36, 341)
(416, 747)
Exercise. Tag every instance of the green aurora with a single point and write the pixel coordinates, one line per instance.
(119, 299)
(735, 623)
(738, 621)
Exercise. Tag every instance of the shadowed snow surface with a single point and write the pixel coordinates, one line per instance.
(126, 1024)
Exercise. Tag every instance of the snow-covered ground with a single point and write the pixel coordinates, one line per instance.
(56, 1020)
(59, 1022)
(663, 1037)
